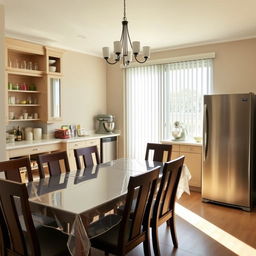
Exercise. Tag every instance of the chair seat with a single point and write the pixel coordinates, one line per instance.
(52, 242)
(104, 224)
(109, 239)
(46, 220)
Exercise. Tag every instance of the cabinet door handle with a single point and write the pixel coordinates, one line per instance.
(35, 149)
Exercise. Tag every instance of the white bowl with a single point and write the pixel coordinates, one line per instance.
(52, 62)
(52, 68)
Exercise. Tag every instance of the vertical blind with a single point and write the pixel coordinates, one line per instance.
(159, 95)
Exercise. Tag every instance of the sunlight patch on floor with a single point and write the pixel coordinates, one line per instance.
(232, 243)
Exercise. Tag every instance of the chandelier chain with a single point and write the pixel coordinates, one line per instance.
(124, 9)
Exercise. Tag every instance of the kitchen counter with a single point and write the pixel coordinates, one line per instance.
(189, 142)
(25, 143)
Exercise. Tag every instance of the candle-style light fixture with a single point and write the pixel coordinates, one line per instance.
(121, 48)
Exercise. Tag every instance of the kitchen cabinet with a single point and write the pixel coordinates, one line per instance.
(33, 76)
(24, 75)
(54, 84)
(54, 96)
(70, 146)
(32, 152)
(193, 160)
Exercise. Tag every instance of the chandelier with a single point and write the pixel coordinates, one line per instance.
(121, 48)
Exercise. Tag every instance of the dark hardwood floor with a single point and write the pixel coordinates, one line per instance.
(232, 228)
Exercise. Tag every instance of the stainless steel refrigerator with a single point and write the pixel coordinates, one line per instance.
(228, 150)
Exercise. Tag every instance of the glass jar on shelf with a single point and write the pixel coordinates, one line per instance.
(36, 66)
(23, 64)
(29, 100)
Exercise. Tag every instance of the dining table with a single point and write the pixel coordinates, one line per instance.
(75, 202)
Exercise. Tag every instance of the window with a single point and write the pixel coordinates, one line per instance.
(186, 83)
(159, 95)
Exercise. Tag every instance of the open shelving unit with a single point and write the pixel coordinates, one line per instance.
(33, 88)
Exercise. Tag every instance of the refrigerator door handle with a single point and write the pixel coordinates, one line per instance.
(205, 137)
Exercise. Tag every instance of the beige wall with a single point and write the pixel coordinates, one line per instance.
(234, 72)
(2, 88)
(84, 90)
(115, 97)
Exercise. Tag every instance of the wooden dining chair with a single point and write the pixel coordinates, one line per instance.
(159, 152)
(42, 241)
(11, 168)
(87, 154)
(53, 162)
(130, 232)
(164, 204)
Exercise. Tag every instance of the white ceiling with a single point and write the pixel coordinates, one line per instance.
(88, 25)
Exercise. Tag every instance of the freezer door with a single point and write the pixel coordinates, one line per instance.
(226, 149)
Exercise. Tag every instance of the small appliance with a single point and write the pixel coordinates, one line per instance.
(106, 124)
(179, 132)
(62, 134)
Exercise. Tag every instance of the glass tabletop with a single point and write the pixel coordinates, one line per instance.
(82, 190)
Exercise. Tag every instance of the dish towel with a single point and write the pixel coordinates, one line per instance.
(184, 182)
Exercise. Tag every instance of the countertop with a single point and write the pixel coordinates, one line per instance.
(189, 142)
(26, 143)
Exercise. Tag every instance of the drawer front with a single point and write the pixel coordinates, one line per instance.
(175, 154)
(34, 150)
(83, 144)
(175, 148)
(80, 144)
(192, 149)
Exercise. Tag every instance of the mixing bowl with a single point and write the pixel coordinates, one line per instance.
(109, 126)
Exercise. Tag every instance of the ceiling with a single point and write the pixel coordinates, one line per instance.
(88, 25)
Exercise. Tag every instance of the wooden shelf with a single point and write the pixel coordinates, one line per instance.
(24, 91)
(24, 72)
(19, 56)
(23, 120)
(23, 105)
(54, 73)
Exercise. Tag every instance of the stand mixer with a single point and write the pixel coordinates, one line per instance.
(106, 124)
(179, 132)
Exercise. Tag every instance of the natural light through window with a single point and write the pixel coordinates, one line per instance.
(159, 95)
(216, 233)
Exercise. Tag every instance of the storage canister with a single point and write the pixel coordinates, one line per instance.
(37, 132)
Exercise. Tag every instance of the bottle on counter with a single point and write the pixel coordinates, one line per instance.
(18, 134)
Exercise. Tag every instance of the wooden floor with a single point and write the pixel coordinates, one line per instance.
(239, 224)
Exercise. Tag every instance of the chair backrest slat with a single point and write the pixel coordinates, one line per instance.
(11, 168)
(159, 152)
(165, 199)
(53, 162)
(144, 186)
(87, 154)
(10, 192)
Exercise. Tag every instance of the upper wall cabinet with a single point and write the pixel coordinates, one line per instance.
(54, 84)
(53, 59)
(29, 68)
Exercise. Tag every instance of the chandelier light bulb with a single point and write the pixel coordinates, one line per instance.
(136, 47)
(105, 52)
(125, 48)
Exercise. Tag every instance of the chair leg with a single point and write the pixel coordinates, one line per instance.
(146, 246)
(173, 232)
(155, 241)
